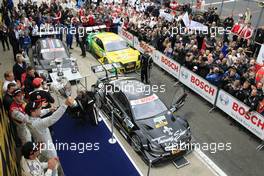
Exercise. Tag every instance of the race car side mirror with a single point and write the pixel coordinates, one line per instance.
(179, 103)
(173, 109)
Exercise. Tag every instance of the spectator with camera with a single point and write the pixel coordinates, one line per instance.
(215, 76)
(252, 100)
(230, 75)
(244, 91)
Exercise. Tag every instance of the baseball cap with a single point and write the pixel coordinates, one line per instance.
(16, 92)
(28, 149)
(37, 82)
(31, 106)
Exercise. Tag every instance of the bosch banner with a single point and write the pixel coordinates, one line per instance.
(168, 64)
(142, 46)
(127, 36)
(198, 85)
(253, 121)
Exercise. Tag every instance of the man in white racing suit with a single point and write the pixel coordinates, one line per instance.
(39, 127)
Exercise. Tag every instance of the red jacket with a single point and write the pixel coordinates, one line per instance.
(19, 107)
(91, 20)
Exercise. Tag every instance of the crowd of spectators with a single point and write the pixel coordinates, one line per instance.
(227, 61)
(26, 99)
(30, 107)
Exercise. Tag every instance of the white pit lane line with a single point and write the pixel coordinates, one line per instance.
(220, 2)
(123, 148)
(197, 152)
(209, 163)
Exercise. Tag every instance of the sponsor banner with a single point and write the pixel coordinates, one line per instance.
(198, 85)
(253, 121)
(127, 36)
(142, 46)
(260, 58)
(168, 64)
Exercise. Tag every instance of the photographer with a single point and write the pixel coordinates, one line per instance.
(253, 100)
(244, 91)
(214, 76)
(230, 76)
(233, 87)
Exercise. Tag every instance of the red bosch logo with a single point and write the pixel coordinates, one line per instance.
(248, 116)
(145, 47)
(170, 64)
(202, 85)
(127, 35)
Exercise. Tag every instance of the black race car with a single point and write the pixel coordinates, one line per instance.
(142, 118)
(51, 55)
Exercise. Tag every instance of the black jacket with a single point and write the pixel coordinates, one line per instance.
(40, 96)
(29, 83)
(7, 101)
(18, 70)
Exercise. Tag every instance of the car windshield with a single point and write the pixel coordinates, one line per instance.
(147, 107)
(116, 45)
(58, 53)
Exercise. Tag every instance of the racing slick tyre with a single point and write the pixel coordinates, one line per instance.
(88, 48)
(136, 143)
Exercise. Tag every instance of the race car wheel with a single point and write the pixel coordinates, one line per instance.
(88, 48)
(136, 143)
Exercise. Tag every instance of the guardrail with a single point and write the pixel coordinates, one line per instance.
(236, 109)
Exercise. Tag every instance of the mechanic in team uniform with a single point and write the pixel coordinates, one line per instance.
(19, 116)
(146, 64)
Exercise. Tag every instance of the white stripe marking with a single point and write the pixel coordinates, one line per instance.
(215, 3)
(209, 163)
(123, 148)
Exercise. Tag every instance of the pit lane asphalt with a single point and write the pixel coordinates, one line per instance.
(237, 6)
(215, 127)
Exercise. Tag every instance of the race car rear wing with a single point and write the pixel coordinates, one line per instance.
(107, 68)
